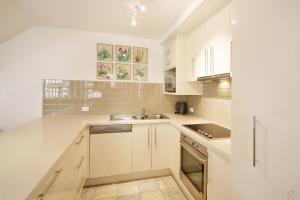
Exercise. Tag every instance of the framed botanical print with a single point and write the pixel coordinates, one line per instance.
(123, 53)
(140, 55)
(105, 71)
(105, 52)
(123, 72)
(140, 72)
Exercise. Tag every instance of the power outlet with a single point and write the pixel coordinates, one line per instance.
(85, 108)
(192, 110)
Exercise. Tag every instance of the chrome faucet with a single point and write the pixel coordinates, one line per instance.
(143, 114)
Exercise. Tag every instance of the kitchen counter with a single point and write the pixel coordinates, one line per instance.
(29, 151)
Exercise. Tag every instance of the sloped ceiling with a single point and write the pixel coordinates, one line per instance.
(108, 16)
(13, 20)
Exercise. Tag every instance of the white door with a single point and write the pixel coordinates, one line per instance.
(265, 69)
(161, 148)
(110, 154)
(141, 147)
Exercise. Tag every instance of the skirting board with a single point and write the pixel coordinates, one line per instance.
(90, 182)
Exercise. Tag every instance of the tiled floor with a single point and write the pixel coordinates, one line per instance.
(162, 188)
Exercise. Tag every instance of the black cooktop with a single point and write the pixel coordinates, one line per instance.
(211, 131)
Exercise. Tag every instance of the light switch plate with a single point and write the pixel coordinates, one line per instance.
(192, 110)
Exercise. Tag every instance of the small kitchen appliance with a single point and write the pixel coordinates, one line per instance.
(181, 108)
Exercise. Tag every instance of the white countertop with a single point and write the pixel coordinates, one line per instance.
(29, 151)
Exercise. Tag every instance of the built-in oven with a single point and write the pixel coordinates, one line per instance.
(194, 165)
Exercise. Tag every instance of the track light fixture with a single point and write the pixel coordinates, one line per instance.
(139, 7)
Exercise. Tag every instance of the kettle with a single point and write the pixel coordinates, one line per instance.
(181, 108)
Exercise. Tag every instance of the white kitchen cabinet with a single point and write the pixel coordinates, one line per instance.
(152, 147)
(66, 178)
(264, 62)
(208, 48)
(110, 154)
(170, 54)
(161, 151)
(141, 148)
(219, 178)
(174, 60)
(175, 151)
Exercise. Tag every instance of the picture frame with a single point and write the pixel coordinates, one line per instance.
(105, 52)
(123, 53)
(105, 70)
(140, 72)
(123, 71)
(140, 55)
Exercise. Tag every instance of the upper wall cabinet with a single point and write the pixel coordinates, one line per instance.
(208, 48)
(174, 69)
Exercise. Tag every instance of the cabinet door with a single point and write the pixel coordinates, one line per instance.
(220, 63)
(141, 148)
(161, 151)
(110, 154)
(220, 44)
(258, 65)
(175, 145)
(170, 54)
(219, 178)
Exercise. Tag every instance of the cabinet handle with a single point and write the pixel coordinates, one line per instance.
(254, 140)
(155, 136)
(149, 137)
(211, 59)
(206, 60)
(193, 68)
(55, 176)
(78, 143)
(80, 163)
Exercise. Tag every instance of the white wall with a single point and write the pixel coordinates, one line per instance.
(53, 53)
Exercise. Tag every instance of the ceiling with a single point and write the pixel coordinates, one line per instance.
(108, 16)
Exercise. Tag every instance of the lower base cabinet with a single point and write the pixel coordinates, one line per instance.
(149, 147)
(152, 146)
(65, 179)
(110, 154)
(219, 178)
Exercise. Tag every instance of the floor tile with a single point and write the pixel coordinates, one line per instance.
(147, 185)
(163, 188)
(106, 191)
(127, 188)
(152, 195)
(130, 197)
(167, 183)
(173, 195)
(88, 194)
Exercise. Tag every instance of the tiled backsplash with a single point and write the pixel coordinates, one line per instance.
(103, 97)
(215, 104)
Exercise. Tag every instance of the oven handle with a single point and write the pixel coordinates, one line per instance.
(199, 156)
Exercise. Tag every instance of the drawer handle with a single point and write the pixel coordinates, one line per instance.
(80, 163)
(55, 176)
(78, 143)
(155, 135)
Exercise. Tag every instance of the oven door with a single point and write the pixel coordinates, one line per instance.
(193, 171)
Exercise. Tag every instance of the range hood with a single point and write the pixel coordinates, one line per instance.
(214, 77)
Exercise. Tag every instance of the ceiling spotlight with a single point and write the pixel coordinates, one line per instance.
(140, 7)
(133, 20)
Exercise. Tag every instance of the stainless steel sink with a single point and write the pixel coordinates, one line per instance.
(137, 117)
(120, 117)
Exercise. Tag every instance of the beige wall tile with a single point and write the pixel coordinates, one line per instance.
(117, 98)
